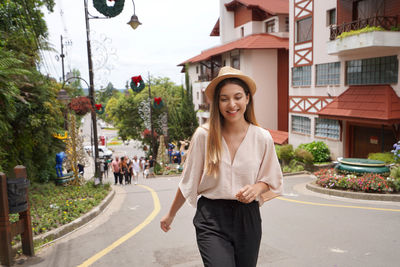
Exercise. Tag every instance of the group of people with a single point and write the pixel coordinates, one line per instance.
(124, 169)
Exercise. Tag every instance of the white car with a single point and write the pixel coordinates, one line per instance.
(104, 152)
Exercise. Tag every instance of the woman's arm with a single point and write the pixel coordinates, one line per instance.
(166, 221)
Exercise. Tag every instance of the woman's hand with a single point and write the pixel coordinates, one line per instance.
(249, 193)
(166, 222)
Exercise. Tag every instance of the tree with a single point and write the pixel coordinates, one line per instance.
(182, 120)
(27, 96)
(127, 111)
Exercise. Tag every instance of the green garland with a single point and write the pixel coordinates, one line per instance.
(109, 11)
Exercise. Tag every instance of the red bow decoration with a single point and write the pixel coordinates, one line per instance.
(98, 106)
(137, 79)
(157, 100)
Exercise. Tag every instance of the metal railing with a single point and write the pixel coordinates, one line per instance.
(386, 22)
(204, 106)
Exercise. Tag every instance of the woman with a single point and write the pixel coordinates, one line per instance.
(232, 166)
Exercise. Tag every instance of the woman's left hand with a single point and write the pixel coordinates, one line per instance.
(247, 194)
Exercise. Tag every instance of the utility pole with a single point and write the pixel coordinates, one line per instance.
(91, 93)
(62, 59)
(151, 119)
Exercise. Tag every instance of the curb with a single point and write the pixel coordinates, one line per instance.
(356, 195)
(295, 173)
(63, 230)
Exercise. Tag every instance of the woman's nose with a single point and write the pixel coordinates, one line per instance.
(232, 103)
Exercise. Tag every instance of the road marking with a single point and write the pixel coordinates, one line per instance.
(124, 238)
(336, 205)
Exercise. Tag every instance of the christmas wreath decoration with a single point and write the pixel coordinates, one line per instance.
(109, 11)
(134, 84)
(80, 105)
(99, 108)
(158, 103)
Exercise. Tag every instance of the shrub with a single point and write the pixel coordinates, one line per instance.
(304, 156)
(386, 157)
(286, 154)
(319, 150)
(395, 178)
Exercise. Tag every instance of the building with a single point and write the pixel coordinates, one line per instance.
(344, 84)
(254, 38)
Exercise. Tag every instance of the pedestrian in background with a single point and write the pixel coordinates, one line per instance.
(136, 169)
(115, 169)
(233, 167)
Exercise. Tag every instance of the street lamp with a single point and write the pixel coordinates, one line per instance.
(134, 24)
(151, 119)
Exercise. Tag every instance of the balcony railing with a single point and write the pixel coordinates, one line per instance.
(204, 106)
(204, 77)
(385, 22)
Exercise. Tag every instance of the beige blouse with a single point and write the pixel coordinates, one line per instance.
(255, 161)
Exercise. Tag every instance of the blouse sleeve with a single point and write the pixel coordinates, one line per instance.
(194, 166)
(270, 172)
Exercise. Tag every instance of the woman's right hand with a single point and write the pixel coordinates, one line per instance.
(166, 222)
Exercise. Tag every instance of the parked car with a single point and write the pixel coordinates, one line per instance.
(104, 152)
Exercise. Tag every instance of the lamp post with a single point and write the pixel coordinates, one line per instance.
(151, 119)
(64, 98)
(134, 22)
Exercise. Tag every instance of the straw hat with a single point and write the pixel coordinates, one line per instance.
(229, 72)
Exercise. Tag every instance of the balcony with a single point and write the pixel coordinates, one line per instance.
(364, 42)
(204, 107)
(204, 77)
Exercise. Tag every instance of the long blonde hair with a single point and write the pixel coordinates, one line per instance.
(214, 141)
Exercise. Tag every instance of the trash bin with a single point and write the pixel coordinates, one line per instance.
(17, 190)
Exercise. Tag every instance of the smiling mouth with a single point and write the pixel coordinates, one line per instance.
(232, 112)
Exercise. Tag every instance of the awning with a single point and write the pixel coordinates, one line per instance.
(279, 137)
(373, 104)
(255, 41)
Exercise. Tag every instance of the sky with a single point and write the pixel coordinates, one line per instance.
(172, 31)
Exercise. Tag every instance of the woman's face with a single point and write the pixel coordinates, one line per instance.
(232, 102)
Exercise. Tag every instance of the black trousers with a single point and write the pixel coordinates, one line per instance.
(116, 175)
(228, 232)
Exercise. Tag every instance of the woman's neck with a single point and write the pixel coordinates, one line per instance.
(236, 127)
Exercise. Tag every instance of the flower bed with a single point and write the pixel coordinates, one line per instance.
(371, 183)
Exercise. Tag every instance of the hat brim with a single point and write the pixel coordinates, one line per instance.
(209, 92)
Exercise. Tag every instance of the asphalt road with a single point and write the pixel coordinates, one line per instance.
(301, 228)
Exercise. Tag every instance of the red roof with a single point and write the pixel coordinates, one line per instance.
(368, 103)
(279, 137)
(255, 41)
(272, 7)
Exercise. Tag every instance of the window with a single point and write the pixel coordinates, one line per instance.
(301, 76)
(327, 128)
(270, 26)
(331, 17)
(287, 24)
(235, 62)
(301, 124)
(304, 30)
(328, 74)
(197, 69)
(379, 70)
(197, 94)
(241, 31)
